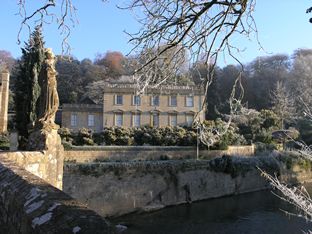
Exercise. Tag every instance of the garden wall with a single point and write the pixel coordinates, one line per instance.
(126, 153)
(113, 189)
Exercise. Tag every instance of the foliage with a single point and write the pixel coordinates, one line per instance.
(84, 137)
(74, 76)
(65, 134)
(113, 61)
(230, 135)
(162, 136)
(27, 89)
(257, 126)
(4, 142)
(305, 128)
(165, 136)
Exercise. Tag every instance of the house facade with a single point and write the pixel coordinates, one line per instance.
(77, 116)
(163, 106)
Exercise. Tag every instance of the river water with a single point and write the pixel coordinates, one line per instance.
(258, 212)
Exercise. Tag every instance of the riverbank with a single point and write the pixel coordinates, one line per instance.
(250, 213)
(117, 188)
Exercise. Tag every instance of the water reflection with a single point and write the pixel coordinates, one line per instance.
(258, 212)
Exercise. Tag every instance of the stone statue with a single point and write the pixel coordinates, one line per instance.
(44, 135)
(48, 101)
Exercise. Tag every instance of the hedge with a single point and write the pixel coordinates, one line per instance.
(161, 136)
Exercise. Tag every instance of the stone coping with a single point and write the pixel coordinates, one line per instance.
(131, 148)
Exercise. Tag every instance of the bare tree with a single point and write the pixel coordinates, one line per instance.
(300, 81)
(283, 104)
(204, 28)
(6, 60)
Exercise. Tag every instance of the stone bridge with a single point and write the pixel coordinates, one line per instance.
(31, 200)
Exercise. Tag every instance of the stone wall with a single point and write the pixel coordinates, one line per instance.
(126, 153)
(29, 205)
(48, 167)
(4, 100)
(113, 189)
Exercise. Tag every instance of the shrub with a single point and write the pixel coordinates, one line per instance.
(98, 138)
(139, 136)
(230, 134)
(84, 137)
(4, 141)
(109, 136)
(123, 136)
(305, 128)
(162, 136)
(65, 134)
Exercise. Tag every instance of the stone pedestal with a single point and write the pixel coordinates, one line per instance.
(50, 167)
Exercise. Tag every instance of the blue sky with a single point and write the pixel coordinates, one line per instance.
(282, 24)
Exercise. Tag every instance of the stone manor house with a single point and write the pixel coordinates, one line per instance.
(163, 106)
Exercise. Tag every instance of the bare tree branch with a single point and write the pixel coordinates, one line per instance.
(44, 14)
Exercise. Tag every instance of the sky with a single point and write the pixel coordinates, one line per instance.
(282, 28)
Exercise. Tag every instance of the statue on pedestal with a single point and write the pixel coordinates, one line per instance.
(44, 133)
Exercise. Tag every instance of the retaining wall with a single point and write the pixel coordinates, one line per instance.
(139, 153)
(29, 205)
(113, 189)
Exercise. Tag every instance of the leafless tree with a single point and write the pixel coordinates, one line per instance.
(204, 28)
(283, 104)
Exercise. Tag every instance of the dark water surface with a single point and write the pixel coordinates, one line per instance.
(257, 212)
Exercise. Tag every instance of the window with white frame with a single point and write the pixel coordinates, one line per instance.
(118, 119)
(136, 119)
(189, 101)
(155, 121)
(173, 120)
(155, 100)
(173, 100)
(189, 119)
(73, 119)
(90, 120)
(136, 100)
(118, 100)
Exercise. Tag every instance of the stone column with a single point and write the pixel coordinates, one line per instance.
(4, 101)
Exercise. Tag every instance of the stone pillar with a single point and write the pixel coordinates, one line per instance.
(50, 144)
(4, 101)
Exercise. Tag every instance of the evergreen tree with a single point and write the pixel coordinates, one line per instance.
(27, 85)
